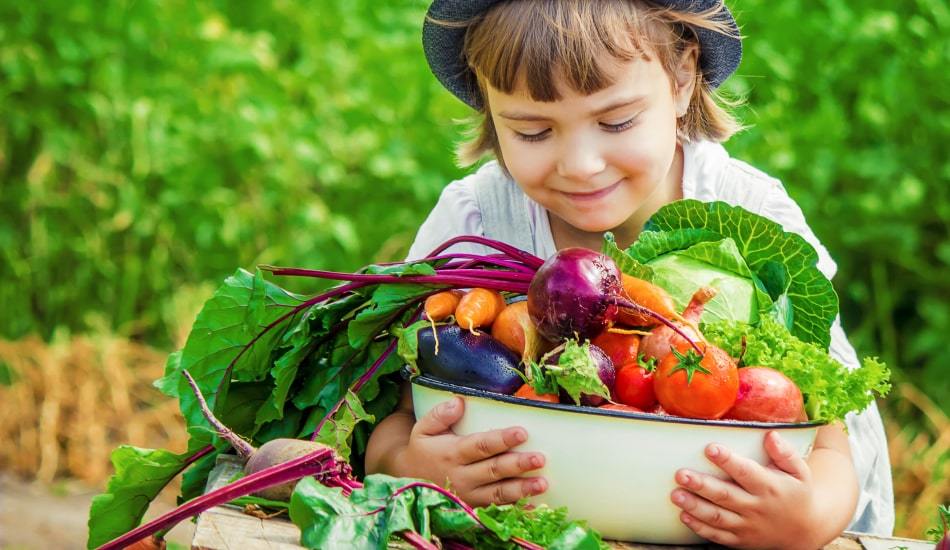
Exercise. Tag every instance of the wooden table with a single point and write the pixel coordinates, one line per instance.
(228, 527)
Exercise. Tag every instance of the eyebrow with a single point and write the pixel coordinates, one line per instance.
(528, 117)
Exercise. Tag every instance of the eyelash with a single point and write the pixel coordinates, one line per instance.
(615, 128)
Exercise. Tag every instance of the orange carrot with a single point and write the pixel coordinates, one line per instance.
(527, 392)
(479, 308)
(649, 296)
(439, 306)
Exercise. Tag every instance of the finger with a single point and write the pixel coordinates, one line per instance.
(440, 419)
(507, 491)
(705, 511)
(784, 456)
(501, 467)
(747, 473)
(708, 532)
(479, 446)
(721, 492)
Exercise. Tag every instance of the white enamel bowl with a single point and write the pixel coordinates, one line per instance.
(613, 469)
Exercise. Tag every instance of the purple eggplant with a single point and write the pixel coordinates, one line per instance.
(472, 360)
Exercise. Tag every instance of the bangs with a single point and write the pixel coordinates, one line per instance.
(540, 43)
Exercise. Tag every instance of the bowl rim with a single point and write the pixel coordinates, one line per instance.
(433, 383)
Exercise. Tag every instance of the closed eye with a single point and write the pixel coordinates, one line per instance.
(625, 125)
(532, 137)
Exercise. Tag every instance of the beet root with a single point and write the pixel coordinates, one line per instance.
(278, 451)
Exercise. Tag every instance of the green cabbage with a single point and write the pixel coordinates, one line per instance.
(758, 269)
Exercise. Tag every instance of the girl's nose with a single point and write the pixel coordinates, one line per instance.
(580, 162)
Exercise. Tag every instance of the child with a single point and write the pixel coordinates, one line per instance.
(598, 113)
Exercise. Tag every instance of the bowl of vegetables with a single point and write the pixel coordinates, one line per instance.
(612, 468)
(622, 377)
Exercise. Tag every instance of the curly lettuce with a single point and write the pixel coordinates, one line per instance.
(831, 390)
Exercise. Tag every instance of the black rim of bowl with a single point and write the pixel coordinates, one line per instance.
(433, 383)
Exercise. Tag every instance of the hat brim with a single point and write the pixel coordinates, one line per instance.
(719, 54)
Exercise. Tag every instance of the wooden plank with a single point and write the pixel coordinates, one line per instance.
(228, 527)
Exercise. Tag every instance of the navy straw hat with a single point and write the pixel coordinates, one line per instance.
(718, 58)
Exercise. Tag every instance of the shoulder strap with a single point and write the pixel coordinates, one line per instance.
(503, 209)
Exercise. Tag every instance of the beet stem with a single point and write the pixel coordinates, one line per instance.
(356, 387)
(516, 253)
(242, 447)
(309, 464)
(627, 304)
(417, 540)
(476, 278)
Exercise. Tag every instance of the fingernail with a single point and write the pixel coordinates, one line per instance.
(521, 436)
(451, 406)
(537, 461)
(537, 486)
(686, 478)
(714, 450)
(679, 498)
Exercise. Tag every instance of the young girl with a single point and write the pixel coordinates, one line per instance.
(598, 113)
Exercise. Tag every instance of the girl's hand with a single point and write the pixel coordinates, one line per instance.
(480, 468)
(759, 507)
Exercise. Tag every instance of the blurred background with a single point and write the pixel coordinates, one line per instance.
(148, 148)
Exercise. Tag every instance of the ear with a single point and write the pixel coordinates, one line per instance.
(684, 78)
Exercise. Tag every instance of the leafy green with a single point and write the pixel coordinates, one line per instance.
(623, 260)
(758, 268)
(370, 516)
(830, 389)
(283, 385)
(140, 474)
(943, 524)
(548, 527)
(575, 372)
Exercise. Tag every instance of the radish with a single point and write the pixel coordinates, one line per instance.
(662, 339)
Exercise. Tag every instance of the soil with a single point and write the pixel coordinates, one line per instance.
(33, 516)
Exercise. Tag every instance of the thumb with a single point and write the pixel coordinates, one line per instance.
(784, 457)
(441, 418)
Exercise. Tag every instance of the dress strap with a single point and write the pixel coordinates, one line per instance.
(504, 210)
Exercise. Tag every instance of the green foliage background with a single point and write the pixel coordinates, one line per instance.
(147, 148)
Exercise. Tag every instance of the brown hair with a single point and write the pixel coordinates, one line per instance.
(534, 41)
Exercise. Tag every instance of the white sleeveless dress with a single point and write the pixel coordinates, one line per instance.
(489, 203)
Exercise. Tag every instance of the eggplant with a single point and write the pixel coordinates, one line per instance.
(476, 360)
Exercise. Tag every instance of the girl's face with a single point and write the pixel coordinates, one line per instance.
(596, 161)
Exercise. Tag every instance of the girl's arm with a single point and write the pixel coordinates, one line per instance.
(791, 503)
(481, 468)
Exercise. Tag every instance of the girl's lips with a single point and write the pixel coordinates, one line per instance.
(593, 196)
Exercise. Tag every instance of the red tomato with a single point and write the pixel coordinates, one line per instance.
(634, 387)
(527, 392)
(619, 407)
(621, 348)
(694, 387)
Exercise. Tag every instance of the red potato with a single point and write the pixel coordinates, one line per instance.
(767, 395)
